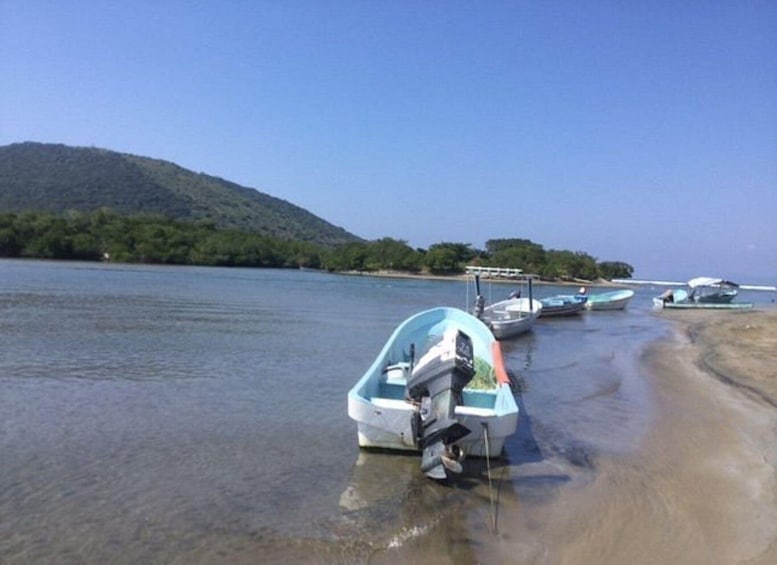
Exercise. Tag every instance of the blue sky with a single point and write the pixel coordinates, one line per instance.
(644, 132)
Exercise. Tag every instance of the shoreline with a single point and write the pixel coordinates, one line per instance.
(700, 486)
(484, 278)
(717, 398)
(738, 350)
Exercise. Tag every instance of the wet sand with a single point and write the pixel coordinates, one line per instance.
(701, 488)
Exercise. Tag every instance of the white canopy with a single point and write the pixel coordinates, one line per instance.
(709, 281)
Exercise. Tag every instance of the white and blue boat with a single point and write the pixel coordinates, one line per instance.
(512, 317)
(711, 290)
(562, 305)
(508, 318)
(611, 300)
(438, 387)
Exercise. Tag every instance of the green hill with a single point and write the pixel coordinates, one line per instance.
(57, 178)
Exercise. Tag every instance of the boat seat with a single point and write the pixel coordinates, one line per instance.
(399, 381)
(381, 402)
(397, 374)
(474, 411)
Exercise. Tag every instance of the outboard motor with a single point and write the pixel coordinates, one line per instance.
(435, 385)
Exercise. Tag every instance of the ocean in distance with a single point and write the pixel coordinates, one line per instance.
(198, 415)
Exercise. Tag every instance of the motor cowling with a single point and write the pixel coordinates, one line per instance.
(435, 386)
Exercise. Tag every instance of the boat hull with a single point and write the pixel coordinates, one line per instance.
(680, 299)
(706, 305)
(723, 297)
(615, 300)
(512, 318)
(386, 425)
(383, 415)
(562, 306)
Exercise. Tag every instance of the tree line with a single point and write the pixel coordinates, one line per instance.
(104, 235)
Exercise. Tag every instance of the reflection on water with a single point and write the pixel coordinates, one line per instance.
(519, 352)
(401, 513)
(193, 415)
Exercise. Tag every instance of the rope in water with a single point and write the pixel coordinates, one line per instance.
(488, 469)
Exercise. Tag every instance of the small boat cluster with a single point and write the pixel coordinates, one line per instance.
(439, 385)
(516, 315)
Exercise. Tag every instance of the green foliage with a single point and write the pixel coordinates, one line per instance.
(384, 254)
(569, 265)
(392, 254)
(152, 238)
(447, 258)
(515, 254)
(615, 270)
(145, 239)
(348, 257)
(532, 258)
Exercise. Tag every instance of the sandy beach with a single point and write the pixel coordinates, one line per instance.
(702, 488)
(536, 281)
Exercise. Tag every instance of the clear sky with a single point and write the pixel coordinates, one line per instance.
(640, 131)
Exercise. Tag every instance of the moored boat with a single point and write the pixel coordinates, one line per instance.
(507, 318)
(709, 305)
(512, 317)
(439, 387)
(711, 290)
(562, 305)
(612, 300)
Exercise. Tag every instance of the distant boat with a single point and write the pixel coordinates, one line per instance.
(703, 292)
(709, 290)
(612, 300)
(763, 287)
(507, 318)
(563, 305)
(452, 400)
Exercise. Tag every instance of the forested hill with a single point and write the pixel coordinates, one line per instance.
(57, 178)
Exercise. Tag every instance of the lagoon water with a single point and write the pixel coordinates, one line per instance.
(198, 415)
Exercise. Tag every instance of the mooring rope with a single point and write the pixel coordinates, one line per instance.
(488, 470)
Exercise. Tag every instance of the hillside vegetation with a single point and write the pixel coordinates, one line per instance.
(59, 202)
(56, 178)
(106, 236)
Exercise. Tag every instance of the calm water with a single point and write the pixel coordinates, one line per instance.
(192, 415)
